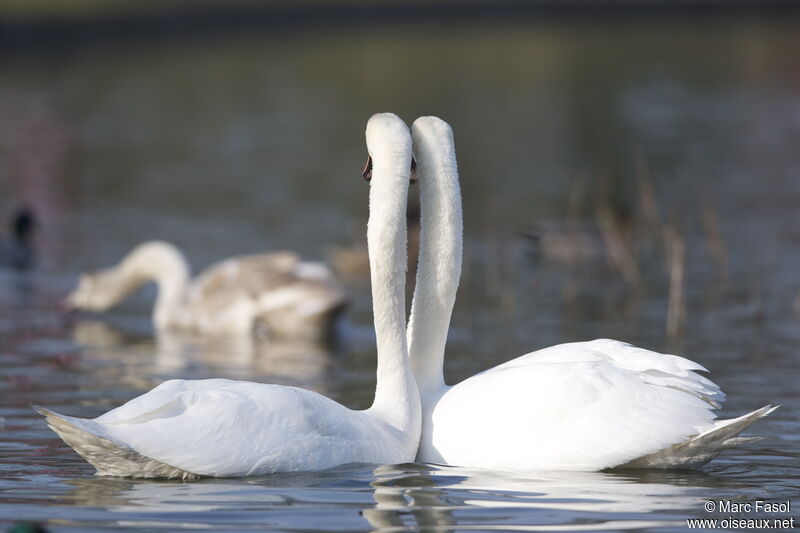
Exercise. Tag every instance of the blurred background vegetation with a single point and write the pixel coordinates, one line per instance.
(625, 165)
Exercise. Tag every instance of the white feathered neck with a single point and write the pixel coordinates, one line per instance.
(440, 250)
(396, 393)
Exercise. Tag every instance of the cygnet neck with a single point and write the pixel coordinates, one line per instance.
(164, 264)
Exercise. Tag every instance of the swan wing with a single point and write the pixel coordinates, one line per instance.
(581, 406)
(243, 277)
(273, 288)
(658, 369)
(219, 427)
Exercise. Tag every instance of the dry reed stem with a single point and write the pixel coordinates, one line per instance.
(647, 197)
(576, 197)
(715, 242)
(676, 310)
(619, 250)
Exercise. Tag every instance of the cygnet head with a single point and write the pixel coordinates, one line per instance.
(387, 134)
(95, 292)
(152, 260)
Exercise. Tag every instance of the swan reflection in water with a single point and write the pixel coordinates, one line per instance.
(454, 496)
(407, 496)
(146, 361)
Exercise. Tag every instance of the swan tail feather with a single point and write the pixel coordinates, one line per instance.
(702, 448)
(107, 457)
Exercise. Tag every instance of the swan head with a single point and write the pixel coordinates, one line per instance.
(94, 293)
(387, 134)
(431, 136)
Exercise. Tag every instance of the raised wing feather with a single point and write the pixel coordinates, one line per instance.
(658, 369)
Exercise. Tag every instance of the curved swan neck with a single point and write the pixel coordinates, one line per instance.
(163, 263)
(396, 395)
(440, 251)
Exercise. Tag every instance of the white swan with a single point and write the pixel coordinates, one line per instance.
(225, 428)
(276, 293)
(577, 406)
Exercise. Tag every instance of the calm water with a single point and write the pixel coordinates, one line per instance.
(255, 142)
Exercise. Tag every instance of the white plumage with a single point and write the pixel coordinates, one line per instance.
(224, 428)
(577, 406)
(219, 427)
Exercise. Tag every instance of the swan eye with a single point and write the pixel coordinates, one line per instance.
(367, 173)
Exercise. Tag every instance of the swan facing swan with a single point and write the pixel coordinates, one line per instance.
(577, 406)
(276, 294)
(218, 427)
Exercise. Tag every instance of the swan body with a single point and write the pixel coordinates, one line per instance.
(217, 427)
(224, 428)
(576, 406)
(579, 406)
(275, 293)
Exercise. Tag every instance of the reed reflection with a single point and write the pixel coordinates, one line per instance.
(168, 355)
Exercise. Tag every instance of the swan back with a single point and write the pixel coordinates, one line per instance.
(224, 428)
(276, 292)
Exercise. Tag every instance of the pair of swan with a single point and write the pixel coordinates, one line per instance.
(275, 293)
(578, 406)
